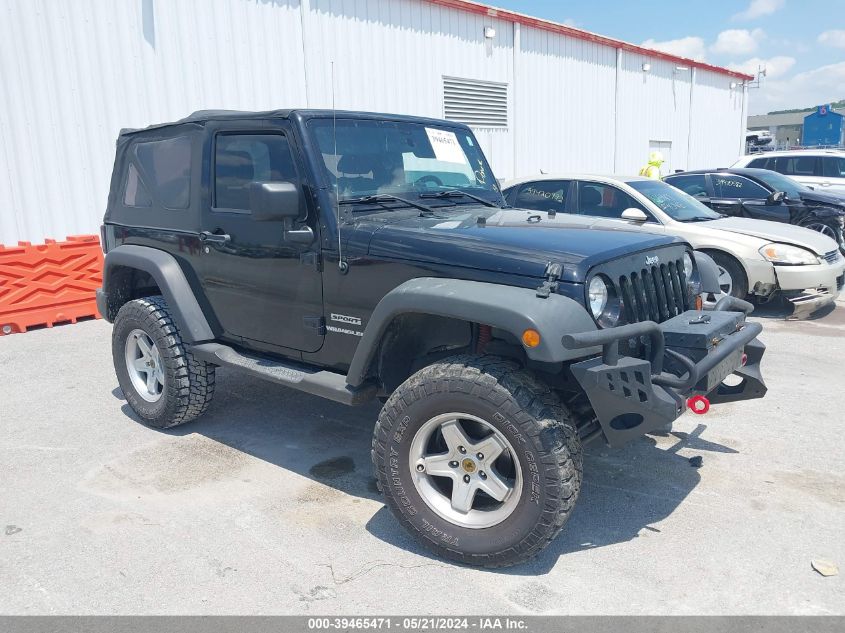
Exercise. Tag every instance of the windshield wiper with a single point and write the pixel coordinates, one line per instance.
(386, 197)
(457, 193)
(699, 218)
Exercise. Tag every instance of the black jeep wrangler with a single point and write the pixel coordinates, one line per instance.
(357, 256)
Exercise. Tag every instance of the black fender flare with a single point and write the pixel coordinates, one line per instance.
(171, 280)
(504, 307)
(707, 271)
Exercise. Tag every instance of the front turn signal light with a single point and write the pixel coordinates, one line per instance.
(530, 338)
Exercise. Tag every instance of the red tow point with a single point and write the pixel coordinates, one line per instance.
(698, 405)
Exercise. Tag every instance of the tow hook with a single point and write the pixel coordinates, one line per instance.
(698, 404)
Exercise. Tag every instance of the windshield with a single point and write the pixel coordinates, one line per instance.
(674, 202)
(779, 182)
(403, 159)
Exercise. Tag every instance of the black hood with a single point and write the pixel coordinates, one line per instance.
(458, 238)
(821, 198)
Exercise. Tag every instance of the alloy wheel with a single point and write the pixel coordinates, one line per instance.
(465, 470)
(143, 364)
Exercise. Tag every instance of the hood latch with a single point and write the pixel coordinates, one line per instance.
(553, 273)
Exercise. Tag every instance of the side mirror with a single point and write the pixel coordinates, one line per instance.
(274, 201)
(776, 197)
(279, 202)
(634, 215)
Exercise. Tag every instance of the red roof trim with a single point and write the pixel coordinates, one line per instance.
(555, 27)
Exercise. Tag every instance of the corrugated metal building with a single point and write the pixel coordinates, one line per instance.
(541, 95)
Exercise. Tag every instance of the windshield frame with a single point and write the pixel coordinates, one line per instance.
(490, 191)
(700, 210)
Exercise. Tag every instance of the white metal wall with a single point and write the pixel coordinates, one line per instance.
(73, 72)
(76, 71)
(565, 91)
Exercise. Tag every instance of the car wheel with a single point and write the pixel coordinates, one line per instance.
(478, 460)
(732, 278)
(162, 381)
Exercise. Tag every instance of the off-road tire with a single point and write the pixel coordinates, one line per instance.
(520, 407)
(739, 279)
(188, 381)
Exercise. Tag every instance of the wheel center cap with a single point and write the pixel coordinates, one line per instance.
(468, 465)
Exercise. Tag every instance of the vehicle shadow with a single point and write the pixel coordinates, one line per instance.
(624, 491)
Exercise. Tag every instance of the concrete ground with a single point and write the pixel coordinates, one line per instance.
(266, 506)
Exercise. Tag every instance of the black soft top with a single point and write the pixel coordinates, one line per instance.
(201, 117)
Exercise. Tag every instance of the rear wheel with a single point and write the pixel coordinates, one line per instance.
(162, 381)
(478, 460)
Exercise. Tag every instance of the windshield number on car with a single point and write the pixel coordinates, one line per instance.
(723, 182)
(445, 145)
(557, 196)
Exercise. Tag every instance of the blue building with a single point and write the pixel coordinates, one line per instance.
(824, 127)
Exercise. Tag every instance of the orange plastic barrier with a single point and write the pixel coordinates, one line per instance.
(50, 283)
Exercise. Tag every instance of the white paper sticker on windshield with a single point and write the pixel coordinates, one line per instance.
(446, 146)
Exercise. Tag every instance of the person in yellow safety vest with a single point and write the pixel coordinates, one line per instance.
(652, 170)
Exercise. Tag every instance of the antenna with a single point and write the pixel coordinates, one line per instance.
(342, 265)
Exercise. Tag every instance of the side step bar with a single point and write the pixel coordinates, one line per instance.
(325, 384)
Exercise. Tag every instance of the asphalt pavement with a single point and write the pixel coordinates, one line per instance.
(266, 505)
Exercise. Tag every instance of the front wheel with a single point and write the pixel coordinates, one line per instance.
(732, 278)
(479, 460)
(831, 229)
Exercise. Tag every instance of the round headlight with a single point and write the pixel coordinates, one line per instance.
(687, 265)
(597, 293)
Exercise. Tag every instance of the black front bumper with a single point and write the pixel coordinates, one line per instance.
(632, 396)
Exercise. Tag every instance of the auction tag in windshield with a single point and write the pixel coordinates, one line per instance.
(446, 146)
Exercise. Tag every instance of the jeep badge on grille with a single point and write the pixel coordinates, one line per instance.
(652, 261)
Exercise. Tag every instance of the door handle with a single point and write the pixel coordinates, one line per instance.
(214, 238)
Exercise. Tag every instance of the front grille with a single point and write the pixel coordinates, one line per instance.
(654, 293)
(832, 256)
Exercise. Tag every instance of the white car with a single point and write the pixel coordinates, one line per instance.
(755, 257)
(822, 169)
(758, 137)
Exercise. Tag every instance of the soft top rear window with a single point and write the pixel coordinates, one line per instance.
(167, 167)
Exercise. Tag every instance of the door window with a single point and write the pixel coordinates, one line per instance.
(693, 184)
(241, 159)
(605, 201)
(544, 195)
(731, 186)
(833, 166)
(762, 163)
(797, 166)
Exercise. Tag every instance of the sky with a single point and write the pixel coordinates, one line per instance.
(800, 43)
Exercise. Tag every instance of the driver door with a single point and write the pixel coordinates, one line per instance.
(738, 195)
(264, 291)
